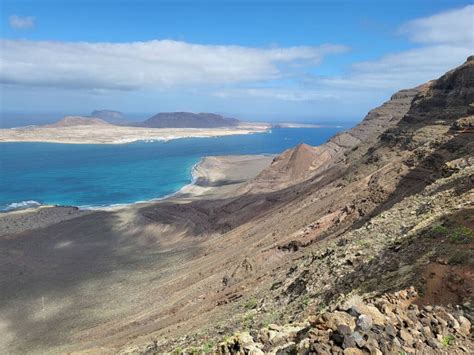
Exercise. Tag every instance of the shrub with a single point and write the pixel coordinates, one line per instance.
(462, 235)
(208, 347)
(251, 303)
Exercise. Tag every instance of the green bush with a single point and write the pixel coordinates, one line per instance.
(447, 340)
(208, 347)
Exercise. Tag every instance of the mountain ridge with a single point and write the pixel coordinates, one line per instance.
(403, 191)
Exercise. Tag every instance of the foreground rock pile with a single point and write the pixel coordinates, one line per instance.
(391, 324)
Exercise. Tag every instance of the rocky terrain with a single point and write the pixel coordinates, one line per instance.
(363, 245)
(390, 324)
(189, 119)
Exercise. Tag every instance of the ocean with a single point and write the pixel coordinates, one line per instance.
(92, 175)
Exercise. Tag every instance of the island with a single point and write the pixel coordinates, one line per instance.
(161, 127)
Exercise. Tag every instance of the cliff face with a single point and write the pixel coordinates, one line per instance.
(282, 174)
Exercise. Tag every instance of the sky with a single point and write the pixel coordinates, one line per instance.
(277, 60)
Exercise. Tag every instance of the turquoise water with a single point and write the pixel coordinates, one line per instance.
(101, 175)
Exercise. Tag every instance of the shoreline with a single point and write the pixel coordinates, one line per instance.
(212, 177)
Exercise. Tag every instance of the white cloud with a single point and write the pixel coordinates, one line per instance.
(446, 41)
(294, 95)
(453, 27)
(153, 64)
(21, 22)
(402, 70)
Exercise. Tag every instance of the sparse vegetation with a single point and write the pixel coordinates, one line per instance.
(459, 258)
(305, 301)
(247, 321)
(458, 234)
(321, 307)
(461, 235)
(270, 317)
(438, 231)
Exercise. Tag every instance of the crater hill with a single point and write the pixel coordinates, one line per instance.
(189, 120)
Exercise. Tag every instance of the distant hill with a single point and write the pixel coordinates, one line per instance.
(70, 121)
(114, 117)
(189, 120)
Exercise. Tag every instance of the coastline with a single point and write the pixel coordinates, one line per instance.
(213, 177)
(119, 134)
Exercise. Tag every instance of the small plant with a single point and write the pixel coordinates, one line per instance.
(305, 301)
(321, 307)
(208, 347)
(178, 351)
(462, 235)
(447, 340)
(247, 320)
(251, 303)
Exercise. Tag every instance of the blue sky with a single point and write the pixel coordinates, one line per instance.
(265, 60)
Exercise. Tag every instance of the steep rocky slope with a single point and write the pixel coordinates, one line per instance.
(392, 208)
(284, 172)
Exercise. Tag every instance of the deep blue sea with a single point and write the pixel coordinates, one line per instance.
(90, 175)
